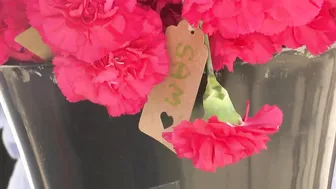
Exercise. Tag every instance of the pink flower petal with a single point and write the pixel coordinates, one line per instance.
(253, 48)
(212, 144)
(13, 21)
(317, 36)
(79, 31)
(122, 79)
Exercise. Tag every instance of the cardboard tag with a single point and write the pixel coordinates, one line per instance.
(176, 95)
(31, 40)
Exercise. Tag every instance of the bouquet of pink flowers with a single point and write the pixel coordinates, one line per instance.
(113, 52)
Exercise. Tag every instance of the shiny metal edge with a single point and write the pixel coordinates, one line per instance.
(17, 139)
(14, 120)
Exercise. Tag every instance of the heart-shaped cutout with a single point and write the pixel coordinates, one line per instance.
(166, 120)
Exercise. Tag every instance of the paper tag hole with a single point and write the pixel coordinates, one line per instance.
(166, 120)
(192, 32)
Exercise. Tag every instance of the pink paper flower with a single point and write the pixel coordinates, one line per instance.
(123, 78)
(253, 48)
(234, 17)
(170, 10)
(212, 144)
(317, 35)
(87, 29)
(13, 21)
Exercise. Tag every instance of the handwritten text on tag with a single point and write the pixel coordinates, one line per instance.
(176, 94)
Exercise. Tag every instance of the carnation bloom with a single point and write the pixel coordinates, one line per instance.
(252, 48)
(120, 81)
(230, 18)
(331, 2)
(234, 18)
(333, 12)
(211, 144)
(317, 35)
(283, 13)
(123, 78)
(87, 29)
(13, 21)
(170, 10)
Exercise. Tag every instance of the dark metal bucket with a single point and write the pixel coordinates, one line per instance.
(78, 146)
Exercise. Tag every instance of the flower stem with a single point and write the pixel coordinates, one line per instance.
(209, 60)
(216, 100)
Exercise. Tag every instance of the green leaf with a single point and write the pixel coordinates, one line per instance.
(216, 101)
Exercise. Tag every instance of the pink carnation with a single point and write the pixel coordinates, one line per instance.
(230, 18)
(212, 144)
(13, 21)
(331, 2)
(123, 78)
(317, 35)
(333, 12)
(252, 48)
(290, 13)
(234, 18)
(332, 6)
(86, 29)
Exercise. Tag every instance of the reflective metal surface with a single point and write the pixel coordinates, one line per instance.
(77, 146)
(301, 155)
